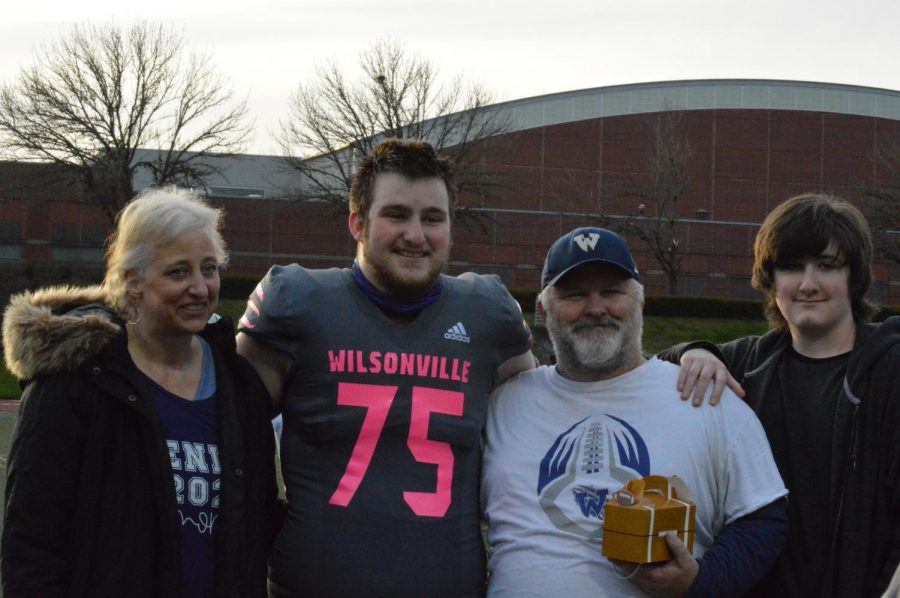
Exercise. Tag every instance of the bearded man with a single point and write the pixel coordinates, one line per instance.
(382, 373)
(562, 439)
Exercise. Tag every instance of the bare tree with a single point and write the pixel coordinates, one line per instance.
(656, 221)
(883, 202)
(334, 120)
(98, 94)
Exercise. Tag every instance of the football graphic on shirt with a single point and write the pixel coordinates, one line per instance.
(593, 458)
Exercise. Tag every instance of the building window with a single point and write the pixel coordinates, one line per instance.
(10, 231)
(86, 255)
(10, 253)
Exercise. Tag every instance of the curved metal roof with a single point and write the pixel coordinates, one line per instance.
(702, 94)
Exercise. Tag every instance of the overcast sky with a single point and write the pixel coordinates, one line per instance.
(517, 49)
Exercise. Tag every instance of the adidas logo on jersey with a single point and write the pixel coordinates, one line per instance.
(457, 332)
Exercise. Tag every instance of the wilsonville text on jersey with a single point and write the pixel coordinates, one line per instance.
(404, 364)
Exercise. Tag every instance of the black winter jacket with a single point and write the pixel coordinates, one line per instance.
(864, 505)
(90, 501)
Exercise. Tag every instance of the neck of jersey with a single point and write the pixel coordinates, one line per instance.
(392, 306)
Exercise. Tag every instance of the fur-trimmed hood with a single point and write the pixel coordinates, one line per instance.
(56, 329)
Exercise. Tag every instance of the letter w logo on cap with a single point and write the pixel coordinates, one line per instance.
(586, 242)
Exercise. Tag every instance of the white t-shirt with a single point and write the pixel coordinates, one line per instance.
(556, 449)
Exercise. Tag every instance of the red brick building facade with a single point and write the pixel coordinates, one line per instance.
(570, 158)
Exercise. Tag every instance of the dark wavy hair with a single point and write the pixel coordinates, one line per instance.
(412, 158)
(803, 227)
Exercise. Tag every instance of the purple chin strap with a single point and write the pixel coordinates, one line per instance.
(390, 306)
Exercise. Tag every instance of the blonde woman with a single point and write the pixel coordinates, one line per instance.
(143, 461)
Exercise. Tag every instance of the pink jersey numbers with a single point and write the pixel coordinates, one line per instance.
(424, 402)
(377, 400)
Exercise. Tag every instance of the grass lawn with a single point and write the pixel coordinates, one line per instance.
(7, 422)
(233, 308)
(661, 333)
(9, 386)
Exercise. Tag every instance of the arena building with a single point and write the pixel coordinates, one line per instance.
(571, 159)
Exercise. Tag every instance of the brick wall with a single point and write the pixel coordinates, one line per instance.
(744, 163)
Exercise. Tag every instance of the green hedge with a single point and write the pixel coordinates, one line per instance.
(526, 298)
(703, 307)
(237, 286)
(886, 312)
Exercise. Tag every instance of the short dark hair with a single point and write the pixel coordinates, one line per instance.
(411, 158)
(803, 227)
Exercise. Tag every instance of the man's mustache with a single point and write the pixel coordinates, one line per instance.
(609, 323)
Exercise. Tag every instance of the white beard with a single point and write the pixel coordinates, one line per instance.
(598, 346)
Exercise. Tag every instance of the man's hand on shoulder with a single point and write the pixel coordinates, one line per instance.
(672, 578)
(699, 368)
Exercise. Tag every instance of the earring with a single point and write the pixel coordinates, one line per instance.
(135, 308)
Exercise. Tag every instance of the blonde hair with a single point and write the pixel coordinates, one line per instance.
(155, 217)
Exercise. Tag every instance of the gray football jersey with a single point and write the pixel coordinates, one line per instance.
(381, 446)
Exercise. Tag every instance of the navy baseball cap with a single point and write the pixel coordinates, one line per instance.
(583, 246)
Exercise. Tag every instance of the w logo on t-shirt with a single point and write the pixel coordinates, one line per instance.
(596, 456)
(586, 242)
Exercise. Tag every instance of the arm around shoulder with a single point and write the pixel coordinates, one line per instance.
(271, 365)
(514, 365)
(701, 363)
